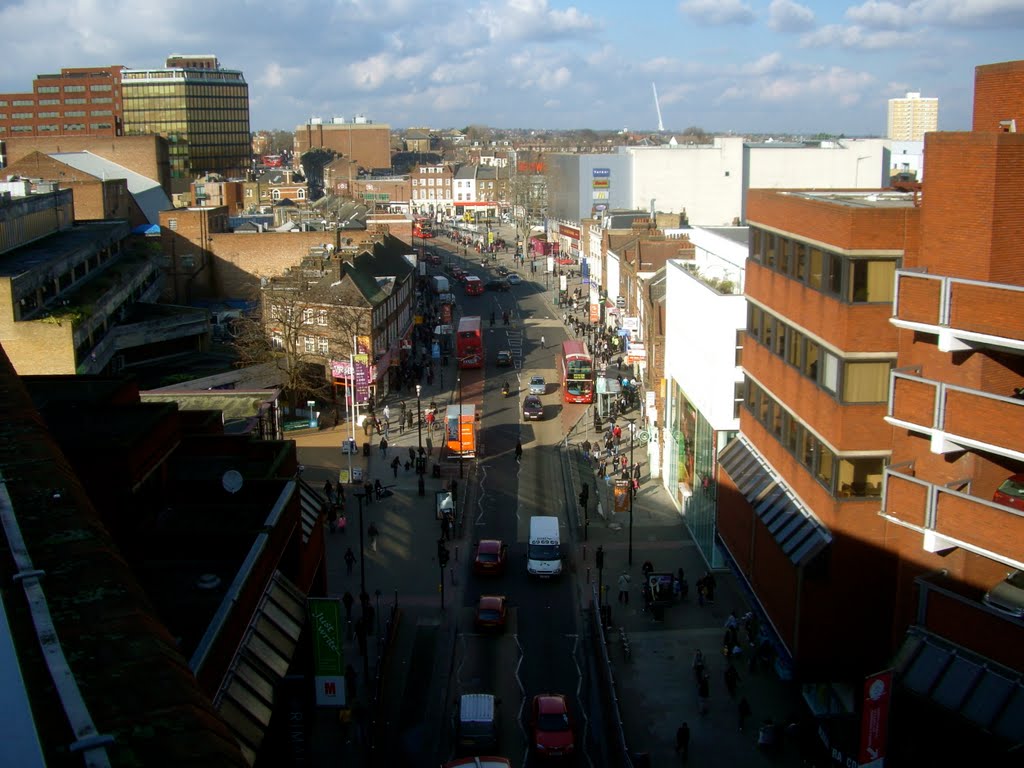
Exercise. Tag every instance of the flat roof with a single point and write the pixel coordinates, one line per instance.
(878, 198)
(60, 245)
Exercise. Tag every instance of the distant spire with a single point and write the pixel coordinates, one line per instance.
(661, 126)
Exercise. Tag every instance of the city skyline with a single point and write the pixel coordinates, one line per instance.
(740, 66)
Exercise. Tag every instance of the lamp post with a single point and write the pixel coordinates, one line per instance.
(632, 426)
(419, 415)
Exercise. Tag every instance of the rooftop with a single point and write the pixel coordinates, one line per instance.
(869, 199)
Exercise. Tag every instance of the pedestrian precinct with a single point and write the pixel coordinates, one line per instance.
(624, 580)
(683, 741)
(350, 560)
(372, 532)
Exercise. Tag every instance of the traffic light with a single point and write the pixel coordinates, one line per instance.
(600, 557)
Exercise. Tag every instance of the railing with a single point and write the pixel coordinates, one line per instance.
(950, 517)
(969, 418)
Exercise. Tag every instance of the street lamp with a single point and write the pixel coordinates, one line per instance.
(419, 415)
(632, 427)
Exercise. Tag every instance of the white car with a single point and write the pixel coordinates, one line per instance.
(513, 279)
(538, 386)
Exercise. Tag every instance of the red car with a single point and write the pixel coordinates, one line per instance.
(551, 726)
(1011, 492)
(490, 558)
(491, 613)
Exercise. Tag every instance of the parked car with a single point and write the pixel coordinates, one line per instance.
(503, 270)
(533, 408)
(1008, 595)
(514, 279)
(1011, 492)
(538, 386)
(491, 613)
(497, 285)
(491, 556)
(551, 726)
(504, 358)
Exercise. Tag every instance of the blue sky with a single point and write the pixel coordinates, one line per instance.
(746, 66)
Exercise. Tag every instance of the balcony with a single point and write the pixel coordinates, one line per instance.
(962, 313)
(947, 517)
(956, 418)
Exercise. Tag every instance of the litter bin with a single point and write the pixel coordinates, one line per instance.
(435, 471)
(366, 449)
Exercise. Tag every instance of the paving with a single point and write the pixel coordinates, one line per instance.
(655, 685)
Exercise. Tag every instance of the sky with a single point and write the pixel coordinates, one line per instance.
(740, 66)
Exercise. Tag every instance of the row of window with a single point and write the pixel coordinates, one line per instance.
(430, 182)
(854, 477)
(850, 381)
(855, 279)
(318, 316)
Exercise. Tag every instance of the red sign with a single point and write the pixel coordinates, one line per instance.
(874, 722)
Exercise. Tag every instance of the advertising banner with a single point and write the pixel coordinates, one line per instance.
(621, 496)
(874, 722)
(328, 651)
(600, 183)
(601, 173)
(600, 194)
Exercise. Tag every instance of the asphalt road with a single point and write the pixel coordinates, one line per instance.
(541, 650)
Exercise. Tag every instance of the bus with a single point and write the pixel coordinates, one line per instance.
(422, 228)
(577, 372)
(469, 343)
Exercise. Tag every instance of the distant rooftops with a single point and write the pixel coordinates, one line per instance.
(868, 199)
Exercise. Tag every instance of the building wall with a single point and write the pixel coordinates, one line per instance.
(912, 117)
(368, 144)
(998, 96)
(704, 181)
(146, 155)
(570, 184)
(96, 91)
(852, 164)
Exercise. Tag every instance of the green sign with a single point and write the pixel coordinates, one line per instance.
(328, 650)
(377, 197)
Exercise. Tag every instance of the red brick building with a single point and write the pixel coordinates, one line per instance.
(883, 350)
(83, 101)
(368, 144)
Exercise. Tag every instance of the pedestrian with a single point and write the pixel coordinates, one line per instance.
(732, 678)
(350, 559)
(395, 464)
(368, 491)
(386, 413)
(383, 447)
(743, 712)
(624, 580)
(519, 451)
(710, 584)
(543, 345)
(329, 491)
(703, 693)
(648, 596)
(372, 532)
(683, 741)
(378, 489)
(332, 517)
(647, 568)
(342, 522)
(412, 455)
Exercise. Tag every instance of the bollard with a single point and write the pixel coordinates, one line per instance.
(588, 574)
(584, 553)
(451, 572)
(456, 553)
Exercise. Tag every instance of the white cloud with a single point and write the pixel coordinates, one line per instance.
(788, 16)
(858, 38)
(765, 65)
(275, 76)
(532, 20)
(372, 73)
(716, 13)
(885, 14)
(834, 82)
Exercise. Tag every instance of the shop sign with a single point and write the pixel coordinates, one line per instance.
(631, 323)
(328, 651)
(601, 173)
(599, 194)
(600, 183)
(570, 232)
(874, 722)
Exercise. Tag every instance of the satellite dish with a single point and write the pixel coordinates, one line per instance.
(232, 481)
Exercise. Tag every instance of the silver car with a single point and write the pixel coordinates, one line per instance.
(538, 386)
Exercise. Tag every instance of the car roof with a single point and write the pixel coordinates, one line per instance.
(491, 601)
(551, 703)
(531, 399)
(489, 545)
(536, 378)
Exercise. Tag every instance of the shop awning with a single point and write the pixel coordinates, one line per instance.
(952, 677)
(246, 697)
(791, 524)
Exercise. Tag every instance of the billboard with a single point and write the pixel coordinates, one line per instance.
(328, 651)
(601, 173)
(874, 724)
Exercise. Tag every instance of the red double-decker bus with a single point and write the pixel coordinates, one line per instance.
(469, 343)
(577, 372)
(422, 228)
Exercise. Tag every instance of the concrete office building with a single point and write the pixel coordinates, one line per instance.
(910, 118)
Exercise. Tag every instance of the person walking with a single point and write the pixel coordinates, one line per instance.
(378, 489)
(383, 447)
(347, 600)
(350, 560)
(743, 712)
(543, 345)
(624, 580)
(519, 451)
(703, 693)
(683, 741)
(373, 533)
(368, 491)
(395, 464)
(332, 517)
(329, 491)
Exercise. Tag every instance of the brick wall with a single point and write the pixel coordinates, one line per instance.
(146, 155)
(998, 95)
(369, 145)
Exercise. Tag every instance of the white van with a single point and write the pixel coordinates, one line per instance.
(544, 553)
(477, 724)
